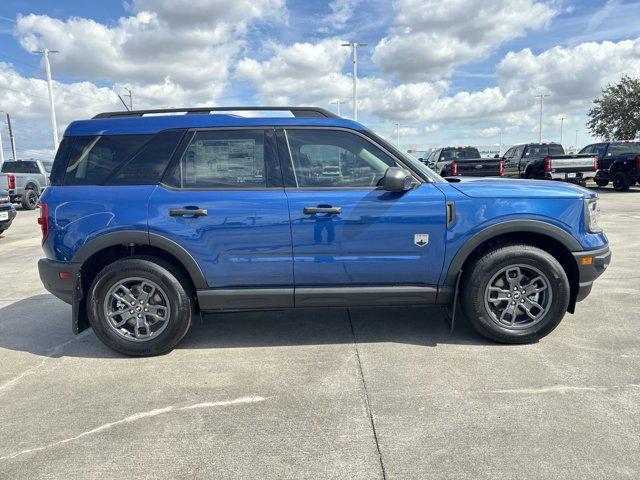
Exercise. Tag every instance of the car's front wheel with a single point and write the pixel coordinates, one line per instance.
(515, 293)
(139, 306)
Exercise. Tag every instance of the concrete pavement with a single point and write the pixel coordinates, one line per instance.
(366, 393)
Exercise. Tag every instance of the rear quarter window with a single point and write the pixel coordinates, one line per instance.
(93, 159)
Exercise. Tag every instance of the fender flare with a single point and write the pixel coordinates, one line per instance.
(510, 226)
(126, 237)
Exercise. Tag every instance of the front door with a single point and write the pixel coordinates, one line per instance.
(349, 233)
(224, 203)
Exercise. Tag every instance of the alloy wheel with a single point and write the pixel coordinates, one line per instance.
(518, 296)
(137, 309)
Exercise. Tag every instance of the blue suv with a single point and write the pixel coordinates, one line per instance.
(153, 216)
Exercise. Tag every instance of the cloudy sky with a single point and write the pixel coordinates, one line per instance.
(449, 71)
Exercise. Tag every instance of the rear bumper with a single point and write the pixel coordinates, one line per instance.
(590, 270)
(50, 271)
(570, 176)
(4, 224)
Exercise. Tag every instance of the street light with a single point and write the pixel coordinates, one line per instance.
(45, 53)
(541, 97)
(354, 49)
(561, 123)
(339, 102)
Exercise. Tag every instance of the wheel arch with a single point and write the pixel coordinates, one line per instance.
(100, 251)
(30, 185)
(543, 235)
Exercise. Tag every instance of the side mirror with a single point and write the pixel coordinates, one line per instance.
(397, 180)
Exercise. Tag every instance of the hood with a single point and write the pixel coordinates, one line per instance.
(486, 187)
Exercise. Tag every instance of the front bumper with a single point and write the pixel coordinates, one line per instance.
(570, 176)
(4, 224)
(591, 264)
(62, 286)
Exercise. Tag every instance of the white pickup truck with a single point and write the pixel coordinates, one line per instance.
(25, 180)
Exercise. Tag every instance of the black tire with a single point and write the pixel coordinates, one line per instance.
(171, 282)
(601, 182)
(476, 281)
(621, 182)
(29, 200)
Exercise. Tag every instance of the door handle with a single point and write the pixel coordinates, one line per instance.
(323, 209)
(182, 212)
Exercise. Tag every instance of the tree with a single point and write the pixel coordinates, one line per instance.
(616, 115)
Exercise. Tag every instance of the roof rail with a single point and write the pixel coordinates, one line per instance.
(296, 111)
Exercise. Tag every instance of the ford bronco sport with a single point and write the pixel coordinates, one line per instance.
(153, 216)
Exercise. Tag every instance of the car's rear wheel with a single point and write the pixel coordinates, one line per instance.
(516, 293)
(139, 306)
(621, 182)
(601, 182)
(29, 200)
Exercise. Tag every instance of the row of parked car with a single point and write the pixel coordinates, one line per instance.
(616, 162)
(21, 182)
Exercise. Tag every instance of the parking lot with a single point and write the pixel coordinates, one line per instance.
(365, 393)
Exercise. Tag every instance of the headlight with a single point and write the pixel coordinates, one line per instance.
(592, 215)
(4, 199)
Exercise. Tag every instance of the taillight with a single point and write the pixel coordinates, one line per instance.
(547, 164)
(501, 171)
(595, 163)
(43, 220)
(638, 162)
(454, 168)
(12, 181)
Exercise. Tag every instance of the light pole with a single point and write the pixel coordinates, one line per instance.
(45, 54)
(339, 102)
(398, 135)
(576, 141)
(1, 149)
(561, 123)
(500, 142)
(11, 139)
(354, 50)
(541, 97)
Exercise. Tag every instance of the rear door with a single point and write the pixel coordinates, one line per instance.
(223, 201)
(349, 235)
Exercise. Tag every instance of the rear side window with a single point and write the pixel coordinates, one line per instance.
(20, 167)
(92, 159)
(148, 165)
(224, 159)
(629, 148)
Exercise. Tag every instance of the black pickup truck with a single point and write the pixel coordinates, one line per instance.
(619, 162)
(466, 161)
(547, 161)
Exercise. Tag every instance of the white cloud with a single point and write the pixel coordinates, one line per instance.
(341, 12)
(431, 37)
(190, 44)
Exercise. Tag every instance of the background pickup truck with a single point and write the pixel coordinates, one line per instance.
(618, 162)
(547, 161)
(25, 180)
(454, 161)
